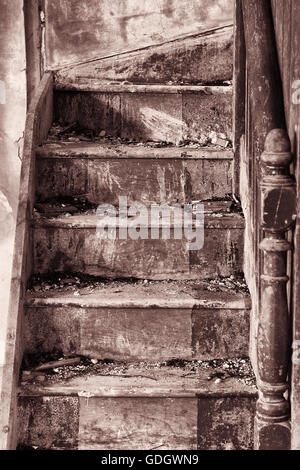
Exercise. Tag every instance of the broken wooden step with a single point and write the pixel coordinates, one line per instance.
(126, 247)
(138, 321)
(141, 407)
(103, 172)
(167, 113)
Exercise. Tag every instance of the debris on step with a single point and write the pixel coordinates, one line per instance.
(61, 206)
(56, 207)
(76, 133)
(61, 363)
(212, 206)
(217, 370)
(85, 284)
(226, 284)
(219, 139)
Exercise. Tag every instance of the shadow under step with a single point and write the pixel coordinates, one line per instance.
(138, 407)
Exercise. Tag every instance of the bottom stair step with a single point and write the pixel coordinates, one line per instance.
(139, 406)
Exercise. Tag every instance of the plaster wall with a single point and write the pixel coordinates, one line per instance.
(12, 125)
(81, 30)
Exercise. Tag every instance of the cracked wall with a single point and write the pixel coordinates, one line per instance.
(12, 125)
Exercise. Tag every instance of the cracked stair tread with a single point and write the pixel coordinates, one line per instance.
(107, 150)
(143, 381)
(218, 220)
(97, 86)
(174, 294)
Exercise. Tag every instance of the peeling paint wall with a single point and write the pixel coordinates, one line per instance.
(12, 125)
(80, 30)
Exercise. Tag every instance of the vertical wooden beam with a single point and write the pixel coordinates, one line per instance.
(239, 93)
(265, 86)
(278, 196)
(33, 35)
(264, 112)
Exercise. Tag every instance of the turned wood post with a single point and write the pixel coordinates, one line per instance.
(278, 196)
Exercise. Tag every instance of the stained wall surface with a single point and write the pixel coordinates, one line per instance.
(12, 125)
(80, 30)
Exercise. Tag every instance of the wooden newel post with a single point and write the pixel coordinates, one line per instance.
(278, 196)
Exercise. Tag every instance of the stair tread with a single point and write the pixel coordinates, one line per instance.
(91, 220)
(159, 294)
(110, 149)
(144, 380)
(96, 85)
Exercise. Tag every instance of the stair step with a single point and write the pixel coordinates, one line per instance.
(147, 112)
(138, 321)
(71, 243)
(102, 172)
(138, 407)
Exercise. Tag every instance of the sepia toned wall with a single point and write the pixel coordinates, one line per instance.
(12, 124)
(80, 30)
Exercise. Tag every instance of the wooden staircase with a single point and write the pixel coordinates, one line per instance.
(158, 334)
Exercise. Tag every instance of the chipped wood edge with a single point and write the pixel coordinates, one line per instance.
(97, 86)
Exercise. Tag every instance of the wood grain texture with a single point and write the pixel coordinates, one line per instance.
(222, 254)
(263, 113)
(148, 176)
(218, 333)
(137, 334)
(140, 113)
(142, 424)
(71, 244)
(216, 423)
(239, 93)
(149, 322)
(143, 408)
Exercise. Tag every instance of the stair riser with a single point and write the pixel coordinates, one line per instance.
(140, 180)
(208, 423)
(78, 250)
(153, 334)
(167, 117)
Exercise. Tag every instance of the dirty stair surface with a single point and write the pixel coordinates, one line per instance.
(71, 243)
(97, 170)
(140, 406)
(154, 144)
(147, 112)
(137, 320)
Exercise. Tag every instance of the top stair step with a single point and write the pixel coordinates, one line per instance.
(167, 113)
